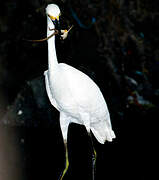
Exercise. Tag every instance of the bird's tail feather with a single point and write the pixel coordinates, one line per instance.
(103, 134)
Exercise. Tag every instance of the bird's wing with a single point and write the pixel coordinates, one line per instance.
(83, 89)
(90, 101)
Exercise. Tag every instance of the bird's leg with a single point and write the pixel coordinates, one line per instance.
(66, 161)
(64, 123)
(94, 156)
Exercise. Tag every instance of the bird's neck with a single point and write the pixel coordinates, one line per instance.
(52, 57)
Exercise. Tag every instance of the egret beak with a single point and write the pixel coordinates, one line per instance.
(56, 22)
(57, 31)
(57, 27)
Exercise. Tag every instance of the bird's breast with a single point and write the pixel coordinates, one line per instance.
(62, 94)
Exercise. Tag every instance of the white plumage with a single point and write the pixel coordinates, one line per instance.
(73, 93)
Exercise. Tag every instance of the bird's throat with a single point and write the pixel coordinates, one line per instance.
(52, 57)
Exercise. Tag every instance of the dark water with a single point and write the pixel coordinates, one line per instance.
(42, 154)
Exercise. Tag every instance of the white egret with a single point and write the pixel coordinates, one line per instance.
(74, 94)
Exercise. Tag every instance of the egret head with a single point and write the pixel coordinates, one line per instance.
(53, 12)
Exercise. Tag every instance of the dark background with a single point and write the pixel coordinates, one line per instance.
(115, 42)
